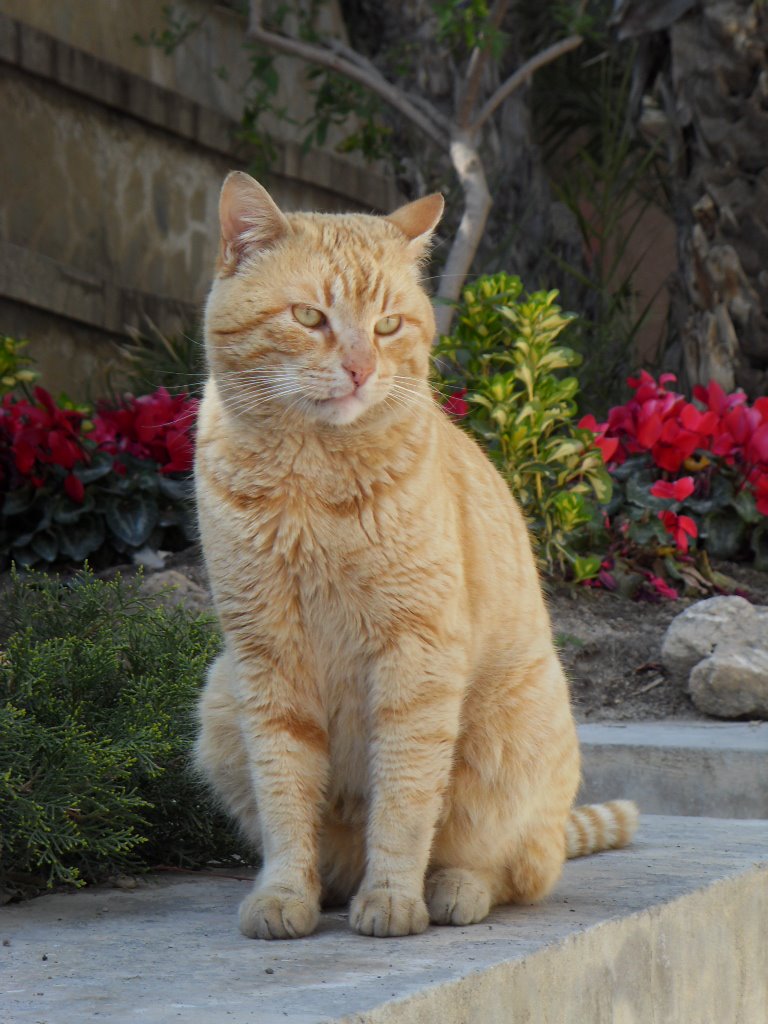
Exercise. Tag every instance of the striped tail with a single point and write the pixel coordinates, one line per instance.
(595, 827)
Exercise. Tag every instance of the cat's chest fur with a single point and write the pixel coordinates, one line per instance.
(332, 553)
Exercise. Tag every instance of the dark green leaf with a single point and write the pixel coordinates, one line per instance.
(176, 489)
(101, 463)
(639, 493)
(723, 534)
(132, 518)
(759, 544)
(45, 545)
(634, 465)
(744, 503)
(720, 495)
(81, 539)
(18, 501)
(66, 511)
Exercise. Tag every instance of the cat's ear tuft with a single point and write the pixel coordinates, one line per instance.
(249, 217)
(417, 220)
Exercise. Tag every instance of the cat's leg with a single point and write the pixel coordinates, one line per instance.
(220, 754)
(342, 862)
(286, 750)
(531, 866)
(415, 699)
(502, 839)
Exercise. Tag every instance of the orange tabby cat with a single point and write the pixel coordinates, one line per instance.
(389, 718)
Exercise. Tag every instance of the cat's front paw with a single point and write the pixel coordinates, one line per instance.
(276, 912)
(387, 912)
(456, 896)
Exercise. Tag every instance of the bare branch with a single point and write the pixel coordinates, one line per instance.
(433, 126)
(477, 63)
(477, 202)
(523, 74)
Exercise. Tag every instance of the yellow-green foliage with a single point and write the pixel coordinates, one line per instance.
(15, 368)
(522, 407)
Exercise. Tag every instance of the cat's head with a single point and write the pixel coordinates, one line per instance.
(320, 313)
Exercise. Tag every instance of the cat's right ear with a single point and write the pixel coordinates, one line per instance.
(250, 220)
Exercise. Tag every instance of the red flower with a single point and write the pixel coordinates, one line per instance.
(39, 434)
(456, 404)
(608, 445)
(679, 490)
(680, 528)
(663, 588)
(74, 488)
(156, 427)
(757, 446)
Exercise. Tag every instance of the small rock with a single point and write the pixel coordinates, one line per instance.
(150, 558)
(732, 683)
(709, 625)
(173, 588)
(127, 882)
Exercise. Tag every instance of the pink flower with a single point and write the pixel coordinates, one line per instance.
(678, 490)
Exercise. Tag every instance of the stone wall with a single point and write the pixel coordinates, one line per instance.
(112, 161)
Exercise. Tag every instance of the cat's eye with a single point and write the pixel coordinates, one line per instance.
(387, 324)
(309, 316)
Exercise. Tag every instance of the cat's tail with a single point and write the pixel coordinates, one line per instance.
(595, 827)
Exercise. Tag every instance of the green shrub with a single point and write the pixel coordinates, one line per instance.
(97, 689)
(503, 361)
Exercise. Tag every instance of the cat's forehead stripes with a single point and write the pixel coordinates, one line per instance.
(353, 252)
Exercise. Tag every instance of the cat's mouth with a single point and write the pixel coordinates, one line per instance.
(342, 409)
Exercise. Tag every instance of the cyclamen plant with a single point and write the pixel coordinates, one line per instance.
(689, 480)
(71, 486)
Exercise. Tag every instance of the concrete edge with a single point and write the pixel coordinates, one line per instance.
(715, 771)
(665, 963)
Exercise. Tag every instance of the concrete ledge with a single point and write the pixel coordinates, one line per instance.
(717, 770)
(670, 930)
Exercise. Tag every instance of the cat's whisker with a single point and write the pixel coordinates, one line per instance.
(421, 382)
(413, 396)
(425, 399)
(247, 403)
(251, 387)
(253, 372)
(247, 396)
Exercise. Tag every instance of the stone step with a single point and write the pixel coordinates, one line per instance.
(671, 929)
(714, 770)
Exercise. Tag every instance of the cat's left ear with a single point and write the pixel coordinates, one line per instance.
(417, 220)
(249, 217)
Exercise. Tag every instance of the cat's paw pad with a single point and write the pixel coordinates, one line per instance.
(387, 912)
(456, 896)
(278, 913)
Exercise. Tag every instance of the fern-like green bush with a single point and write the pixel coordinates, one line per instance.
(505, 360)
(97, 690)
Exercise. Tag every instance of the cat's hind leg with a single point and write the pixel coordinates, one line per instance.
(524, 869)
(220, 753)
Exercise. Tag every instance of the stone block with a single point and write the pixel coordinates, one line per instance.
(731, 683)
(720, 648)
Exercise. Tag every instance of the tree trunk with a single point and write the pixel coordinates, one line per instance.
(714, 95)
(477, 203)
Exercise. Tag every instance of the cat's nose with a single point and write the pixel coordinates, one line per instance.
(359, 372)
